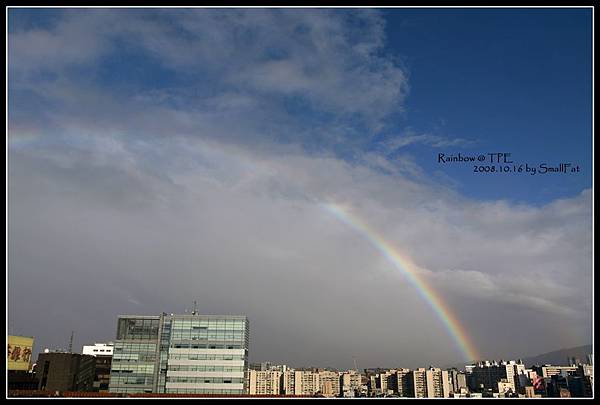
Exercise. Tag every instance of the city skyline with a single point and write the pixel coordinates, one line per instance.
(283, 164)
(194, 354)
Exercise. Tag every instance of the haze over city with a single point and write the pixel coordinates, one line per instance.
(159, 157)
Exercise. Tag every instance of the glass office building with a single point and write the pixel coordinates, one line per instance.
(134, 354)
(193, 354)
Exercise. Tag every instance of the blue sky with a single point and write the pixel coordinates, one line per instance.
(514, 80)
(190, 152)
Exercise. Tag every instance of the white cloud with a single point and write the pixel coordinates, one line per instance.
(317, 56)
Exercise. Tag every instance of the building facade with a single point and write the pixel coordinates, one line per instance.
(266, 382)
(301, 382)
(98, 349)
(401, 382)
(188, 354)
(438, 383)
(329, 383)
(103, 353)
(57, 371)
(420, 383)
(351, 383)
(135, 354)
(486, 376)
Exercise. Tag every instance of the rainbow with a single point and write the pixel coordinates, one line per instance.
(414, 275)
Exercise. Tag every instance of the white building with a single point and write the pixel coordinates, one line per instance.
(98, 349)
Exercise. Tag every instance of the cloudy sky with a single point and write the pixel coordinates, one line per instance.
(162, 156)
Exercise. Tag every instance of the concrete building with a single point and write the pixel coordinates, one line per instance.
(530, 392)
(22, 380)
(58, 371)
(401, 382)
(579, 386)
(486, 375)
(431, 383)
(191, 354)
(379, 383)
(438, 384)
(301, 382)
(266, 382)
(103, 353)
(522, 381)
(586, 370)
(329, 383)
(504, 386)
(351, 383)
(420, 383)
(98, 349)
(548, 370)
(460, 382)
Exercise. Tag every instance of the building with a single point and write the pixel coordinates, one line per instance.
(22, 380)
(181, 354)
(431, 383)
(401, 382)
(351, 383)
(267, 366)
(301, 382)
(420, 383)
(460, 382)
(548, 370)
(19, 351)
(505, 387)
(267, 382)
(380, 382)
(135, 358)
(486, 375)
(103, 353)
(99, 349)
(576, 383)
(579, 386)
(438, 384)
(203, 354)
(530, 392)
(522, 381)
(329, 383)
(19, 373)
(586, 370)
(57, 371)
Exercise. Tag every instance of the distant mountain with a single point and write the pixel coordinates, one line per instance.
(560, 356)
(557, 357)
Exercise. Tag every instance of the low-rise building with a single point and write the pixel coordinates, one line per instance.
(58, 371)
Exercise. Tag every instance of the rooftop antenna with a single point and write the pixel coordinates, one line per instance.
(194, 312)
(71, 342)
(355, 366)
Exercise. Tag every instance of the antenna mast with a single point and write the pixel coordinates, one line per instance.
(71, 342)
(194, 312)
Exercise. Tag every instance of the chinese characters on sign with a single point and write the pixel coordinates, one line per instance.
(19, 352)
